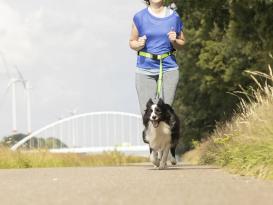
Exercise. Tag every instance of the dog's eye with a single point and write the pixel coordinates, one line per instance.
(157, 110)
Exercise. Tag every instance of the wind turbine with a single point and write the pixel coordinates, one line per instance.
(27, 96)
(12, 84)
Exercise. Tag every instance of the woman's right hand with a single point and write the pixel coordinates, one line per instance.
(137, 43)
(141, 42)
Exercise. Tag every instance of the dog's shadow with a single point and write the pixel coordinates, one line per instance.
(179, 166)
(182, 167)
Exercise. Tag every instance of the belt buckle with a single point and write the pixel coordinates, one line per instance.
(154, 57)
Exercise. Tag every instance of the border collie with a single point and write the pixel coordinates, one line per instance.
(161, 132)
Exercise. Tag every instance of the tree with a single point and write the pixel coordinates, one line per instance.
(224, 39)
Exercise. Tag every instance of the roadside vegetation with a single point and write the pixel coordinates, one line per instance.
(43, 158)
(223, 40)
(245, 144)
(29, 156)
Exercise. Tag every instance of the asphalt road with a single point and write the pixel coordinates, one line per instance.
(136, 184)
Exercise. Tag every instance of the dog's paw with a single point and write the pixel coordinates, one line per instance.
(162, 166)
(173, 161)
(156, 162)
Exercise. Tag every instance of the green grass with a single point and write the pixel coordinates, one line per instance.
(42, 158)
(245, 144)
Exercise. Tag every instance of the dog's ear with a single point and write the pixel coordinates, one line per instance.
(149, 103)
(160, 101)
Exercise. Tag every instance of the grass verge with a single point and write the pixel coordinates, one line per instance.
(41, 158)
(245, 144)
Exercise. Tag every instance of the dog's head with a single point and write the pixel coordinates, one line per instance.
(155, 111)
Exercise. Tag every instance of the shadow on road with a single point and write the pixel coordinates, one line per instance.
(177, 167)
(185, 168)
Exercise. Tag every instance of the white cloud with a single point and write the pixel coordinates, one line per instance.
(14, 40)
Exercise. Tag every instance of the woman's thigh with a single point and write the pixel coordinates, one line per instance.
(146, 89)
(170, 81)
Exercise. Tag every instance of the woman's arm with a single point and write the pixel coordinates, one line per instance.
(136, 43)
(177, 41)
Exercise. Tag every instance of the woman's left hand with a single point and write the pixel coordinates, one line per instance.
(172, 36)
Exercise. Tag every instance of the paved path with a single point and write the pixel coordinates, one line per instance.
(138, 184)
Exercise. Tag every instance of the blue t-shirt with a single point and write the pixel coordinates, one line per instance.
(156, 30)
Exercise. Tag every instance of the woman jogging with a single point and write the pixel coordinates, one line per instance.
(156, 33)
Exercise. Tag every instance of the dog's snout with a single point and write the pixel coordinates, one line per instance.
(154, 117)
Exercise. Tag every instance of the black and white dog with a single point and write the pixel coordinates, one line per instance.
(161, 132)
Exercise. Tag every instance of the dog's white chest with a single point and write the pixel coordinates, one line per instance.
(159, 138)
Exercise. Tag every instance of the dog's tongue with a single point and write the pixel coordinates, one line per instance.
(155, 123)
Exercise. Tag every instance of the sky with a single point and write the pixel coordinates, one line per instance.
(75, 55)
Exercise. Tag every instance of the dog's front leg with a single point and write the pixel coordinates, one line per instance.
(163, 161)
(154, 158)
(160, 153)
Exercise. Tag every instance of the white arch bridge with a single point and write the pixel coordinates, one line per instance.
(90, 132)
